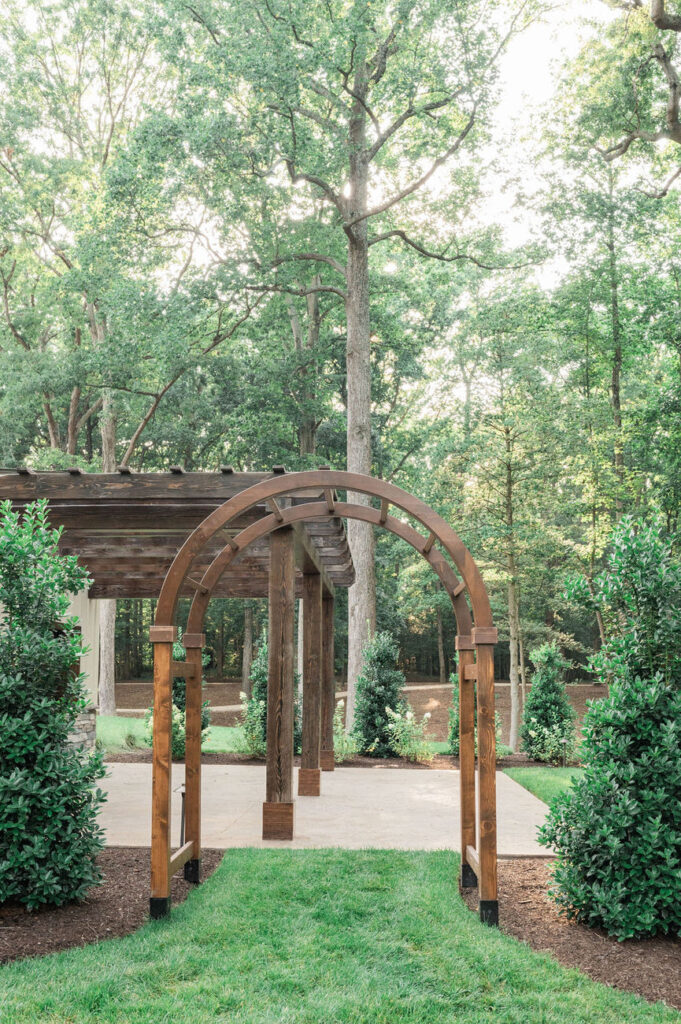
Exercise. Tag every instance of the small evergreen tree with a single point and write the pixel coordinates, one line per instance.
(379, 687)
(254, 708)
(548, 729)
(617, 831)
(49, 836)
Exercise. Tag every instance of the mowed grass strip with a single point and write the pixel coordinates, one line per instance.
(114, 732)
(316, 937)
(545, 783)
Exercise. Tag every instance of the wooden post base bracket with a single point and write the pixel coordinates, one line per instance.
(192, 871)
(309, 781)
(159, 907)
(277, 821)
(326, 760)
(469, 879)
(489, 912)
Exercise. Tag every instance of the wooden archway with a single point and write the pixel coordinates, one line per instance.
(475, 643)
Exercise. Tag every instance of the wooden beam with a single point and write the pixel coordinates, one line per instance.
(469, 874)
(159, 904)
(309, 779)
(487, 819)
(180, 857)
(473, 859)
(278, 819)
(184, 669)
(192, 760)
(326, 757)
(307, 558)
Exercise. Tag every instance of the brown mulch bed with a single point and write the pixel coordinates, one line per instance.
(428, 697)
(117, 907)
(651, 967)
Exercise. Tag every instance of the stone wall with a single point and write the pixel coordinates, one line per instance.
(84, 732)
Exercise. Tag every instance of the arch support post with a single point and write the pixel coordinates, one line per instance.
(328, 684)
(309, 777)
(193, 644)
(162, 637)
(464, 646)
(277, 812)
(484, 638)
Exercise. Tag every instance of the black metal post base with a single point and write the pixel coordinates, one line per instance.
(159, 907)
(489, 912)
(469, 879)
(192, 871)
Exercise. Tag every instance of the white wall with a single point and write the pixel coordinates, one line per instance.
(87, 611)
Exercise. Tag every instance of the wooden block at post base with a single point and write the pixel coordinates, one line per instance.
(309, 781)
(277, 821)
(326, 760)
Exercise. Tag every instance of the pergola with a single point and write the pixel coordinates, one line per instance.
(279, 535)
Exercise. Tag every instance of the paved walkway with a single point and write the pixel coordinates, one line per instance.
(389, 808)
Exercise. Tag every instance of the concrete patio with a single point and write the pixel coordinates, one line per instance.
(390, 808)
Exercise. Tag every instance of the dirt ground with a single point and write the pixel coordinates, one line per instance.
(651, 967)
(427, 697)
(117, 907)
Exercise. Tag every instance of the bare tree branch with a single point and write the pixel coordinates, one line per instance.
(444, 256)
(661, 19)
(415, 185)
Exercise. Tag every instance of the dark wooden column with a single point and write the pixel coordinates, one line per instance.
(464, 646)
(162, 638)
(328, 684)
(309, 777)
(192, 756)
(484, 640)
(277, 811)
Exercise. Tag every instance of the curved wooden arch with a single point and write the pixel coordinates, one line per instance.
(475, 642)
(320, 510)
(327, 480)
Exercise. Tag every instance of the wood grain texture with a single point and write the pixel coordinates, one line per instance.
(309, 781)
(192, 753)
(279, 785)
(487, 817)
(312, 671)
(328, 685)
(162, 762)
(277, 820)
(466, 752)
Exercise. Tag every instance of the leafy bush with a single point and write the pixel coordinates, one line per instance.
(409, 735)
(378, 687)
(548, 728)
(254, 708)
(617, 832)
(344, 744)
(49, 800)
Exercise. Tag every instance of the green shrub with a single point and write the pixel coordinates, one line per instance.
(254, 708)
(409, 735)
(548, 728)
(617, 832)
(344, 743)
(378, 687)
(49, 800)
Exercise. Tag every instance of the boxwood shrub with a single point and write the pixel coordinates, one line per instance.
(617, 831)
(49, 835)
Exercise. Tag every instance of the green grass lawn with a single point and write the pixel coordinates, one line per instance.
(316, 937)
(112, 731)
(442, 747)
(545, 783)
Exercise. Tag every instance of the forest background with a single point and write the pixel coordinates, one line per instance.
(434, 241)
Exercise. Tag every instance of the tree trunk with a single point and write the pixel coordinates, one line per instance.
(441, 646)
(247, 658)
(523, 668)
(513, 671)
(107, 614)
(362, 595)
(616, 375)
